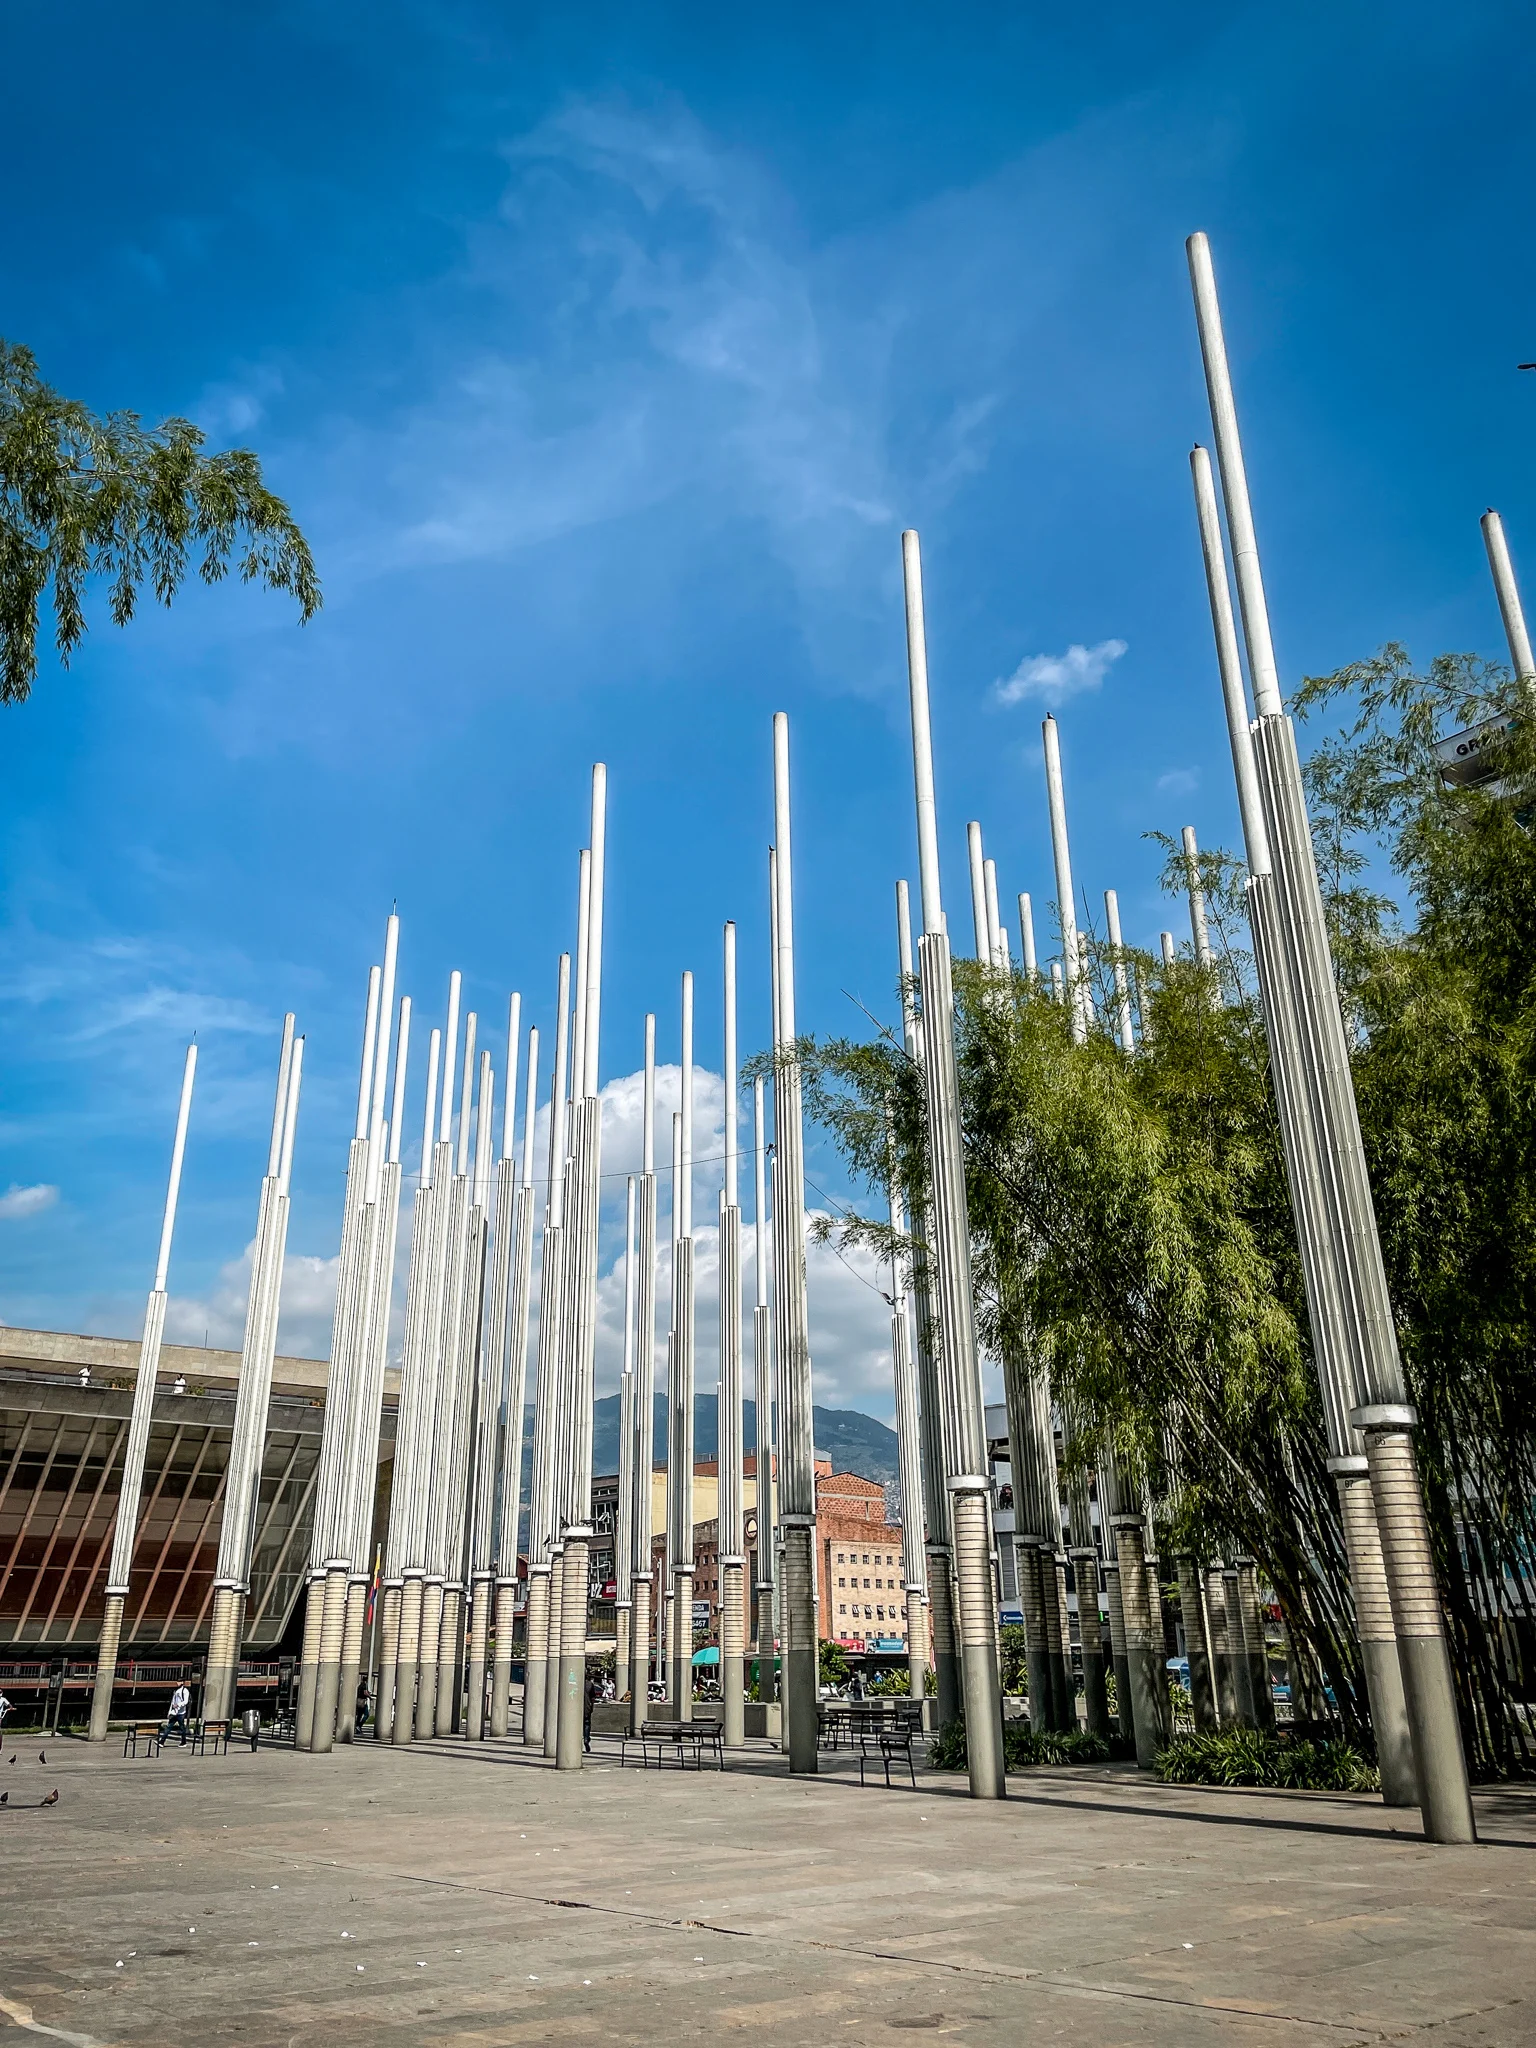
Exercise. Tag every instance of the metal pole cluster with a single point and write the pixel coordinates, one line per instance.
(1370, 1421)
(232, 1576)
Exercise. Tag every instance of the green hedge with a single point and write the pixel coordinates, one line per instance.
(1250, 1756)
(1022, 1749)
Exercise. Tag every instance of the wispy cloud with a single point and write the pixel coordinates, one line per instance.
(1053, 678)
(16, 1202)
(1179, 781)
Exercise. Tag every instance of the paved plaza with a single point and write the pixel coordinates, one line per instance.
(465, 1897)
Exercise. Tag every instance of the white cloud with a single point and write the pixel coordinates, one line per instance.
(1053, 678)
(1179, 781)
(304, 1324)
(17, 1201)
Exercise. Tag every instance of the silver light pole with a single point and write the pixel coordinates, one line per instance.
(642, 1517)
(732, 1534)
(938, 1459)
(586, 1188)
(909, 1456)
(970, 1487)
(541, 1481)
(624, 1511)
(126, 1527)
(1123, 1026)
(797, 1497)
(1325, 1094)
(510, 1519)
(1507, 591)
(1071, 951)
(680, 1421)
(762, 1409)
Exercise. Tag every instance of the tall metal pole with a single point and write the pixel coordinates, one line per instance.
(1198, 928)
(643, 1581)
(624, 1512)
(1305, 1177)
(1027, 936)
(1071, 952)
(1507, 591)
(797, 1513)
(545, 1420)
(909, 1456)
(1323, 1088)
(1123, 1026)
(126, 1527)
(937, 1458)
(680, 1558)
(586, 1187)
(762, 1409)
(732, 1534)
(970, 1487)
(515, 1402)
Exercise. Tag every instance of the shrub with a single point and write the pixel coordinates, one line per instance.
(1252, 1756)
(1022, 1748)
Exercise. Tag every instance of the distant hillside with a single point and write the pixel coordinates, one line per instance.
(854, 1442)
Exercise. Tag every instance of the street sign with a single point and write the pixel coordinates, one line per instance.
(1464, 757)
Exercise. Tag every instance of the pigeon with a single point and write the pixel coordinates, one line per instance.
(42, 1756)
(52, 1799)
(4, 1796)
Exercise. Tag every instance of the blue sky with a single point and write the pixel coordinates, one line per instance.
(603, 354)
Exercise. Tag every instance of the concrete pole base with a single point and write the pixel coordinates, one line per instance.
(536, 1646)
(569, 1742)
(1144, 1673)
(223, 1653)
(426, 1659)
(733, 1630)
(680, 1675)
(389, 1658)
(304, 1712)
(917, 1648)
(333, 1614)
(479, 1639)
(639, 1654)
(552, 1654)
(450, 1667)
(941, 1621)
(106, 1666)
(978, 1633)
(408, 1656)
(351, 1660)
(1423, 1655)
(801, 1647)
(1378, 1642)
(501, 1663)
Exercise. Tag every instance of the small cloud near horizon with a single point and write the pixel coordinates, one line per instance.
(1179, 782)
(1053, 678)
(17, 1201)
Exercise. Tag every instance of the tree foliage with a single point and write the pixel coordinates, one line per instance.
(82, 497)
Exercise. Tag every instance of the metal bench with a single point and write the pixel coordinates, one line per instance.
(147, 1732)
(204, 1732)
(659, 1738)
(893, 1740)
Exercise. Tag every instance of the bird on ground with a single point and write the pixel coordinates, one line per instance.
(42, 1756)
(52, 1799)
(4, 1796)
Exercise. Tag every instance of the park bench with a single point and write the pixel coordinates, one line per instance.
(204, 1732)
(893, 1739)
(147, 1732)
(658, 1739)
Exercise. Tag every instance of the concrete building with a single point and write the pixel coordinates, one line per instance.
(64, 1409)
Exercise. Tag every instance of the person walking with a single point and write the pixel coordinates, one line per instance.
(362, 1701)
(590, 1695)
(181, 1706)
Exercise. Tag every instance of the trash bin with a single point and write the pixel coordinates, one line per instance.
(250, 1721)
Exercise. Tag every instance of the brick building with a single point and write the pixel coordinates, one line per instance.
(863, 1605)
